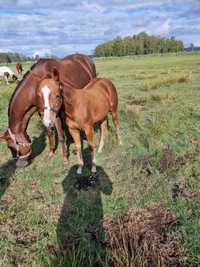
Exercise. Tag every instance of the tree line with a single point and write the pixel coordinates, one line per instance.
(7, 57)
(139, 44)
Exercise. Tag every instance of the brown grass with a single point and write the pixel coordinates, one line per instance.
(142, 238)
(166, 81)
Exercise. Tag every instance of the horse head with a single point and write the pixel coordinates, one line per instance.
(19, 145)
(49, 98)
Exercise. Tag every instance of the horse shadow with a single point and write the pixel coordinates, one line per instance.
(79, 230)
(38, 146)
(7, 170)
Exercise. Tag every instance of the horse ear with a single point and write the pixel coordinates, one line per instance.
(56, 75)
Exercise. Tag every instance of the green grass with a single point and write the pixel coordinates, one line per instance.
(40, 210)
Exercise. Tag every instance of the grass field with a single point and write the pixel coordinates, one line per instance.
(41, 210)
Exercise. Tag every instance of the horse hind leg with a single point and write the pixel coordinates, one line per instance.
(6, 75)
(115, 120)
(103, 127)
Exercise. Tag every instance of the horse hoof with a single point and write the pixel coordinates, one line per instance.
(79, 170)
(94, 169)
(50, 156)
(99, 151)
(21, 163)
(65, 162)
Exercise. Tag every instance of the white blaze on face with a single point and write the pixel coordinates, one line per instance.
(46, 117)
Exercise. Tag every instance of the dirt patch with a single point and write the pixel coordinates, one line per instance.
(145, 162)
(180, 190)
(139, 102)
(135, 106)
(142, 238)
(169, 161)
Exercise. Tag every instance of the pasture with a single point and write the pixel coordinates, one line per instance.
(158, 164)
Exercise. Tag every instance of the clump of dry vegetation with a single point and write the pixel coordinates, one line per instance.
(166, 81)
(160, 97)
(169, 161)
(143, 238)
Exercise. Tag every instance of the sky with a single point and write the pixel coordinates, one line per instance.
(62, 27)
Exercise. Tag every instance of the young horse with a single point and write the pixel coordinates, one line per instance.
(83, 108)
(7, 73)
(73, 70)
(19, 68)
(49, 94)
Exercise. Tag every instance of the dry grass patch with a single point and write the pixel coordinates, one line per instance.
(161, 97)
(143, 238)
(167, 81)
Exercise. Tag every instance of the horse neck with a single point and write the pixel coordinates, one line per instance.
(21, 111)
(69, 98)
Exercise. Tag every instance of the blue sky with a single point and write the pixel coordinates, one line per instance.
(63, 27)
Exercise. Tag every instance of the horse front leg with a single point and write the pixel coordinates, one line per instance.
(77, 140)
(52, 142)
(61, 137)
(89, 131)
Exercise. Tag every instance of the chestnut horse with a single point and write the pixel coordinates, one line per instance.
(19, 68)
(74, 70)
(49, 94)
(82, 108)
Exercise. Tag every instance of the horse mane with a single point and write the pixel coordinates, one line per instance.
(19, 84)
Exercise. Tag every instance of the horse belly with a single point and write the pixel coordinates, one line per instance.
(100, 110)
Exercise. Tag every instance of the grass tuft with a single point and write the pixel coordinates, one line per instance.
(166, 81)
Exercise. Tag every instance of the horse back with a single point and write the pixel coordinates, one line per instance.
(96, 100)
(86, 63)
(106, 87)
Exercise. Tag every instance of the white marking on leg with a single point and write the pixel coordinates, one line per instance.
(46, 117)
(101, 144)
(79, 170)
(119, 137)
(94, 168)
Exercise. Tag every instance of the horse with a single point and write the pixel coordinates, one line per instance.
(7, 73)
(75, 70)
(19, 68)
(47, 97)
(83, 109)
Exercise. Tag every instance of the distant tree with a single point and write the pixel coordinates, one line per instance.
(12, 57)
(139, 44)
(8, 59)
(191, 46)
(37, 57)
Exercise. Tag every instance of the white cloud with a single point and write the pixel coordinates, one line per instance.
(42, 52)
(93, 7)
(164, 28)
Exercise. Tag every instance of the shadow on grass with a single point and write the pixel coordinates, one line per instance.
(38, 145)
(8, 169)
(79, 231)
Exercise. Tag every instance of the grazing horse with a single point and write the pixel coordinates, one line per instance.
(7, 73)
(73, 71)
(82, 108)
(19, 68)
